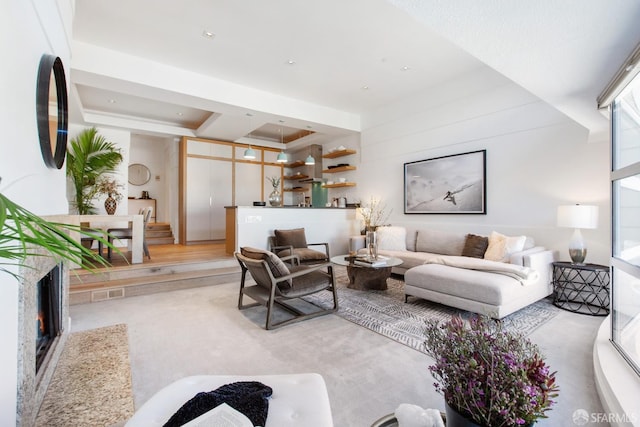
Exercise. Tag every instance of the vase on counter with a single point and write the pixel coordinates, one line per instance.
(275, 198)
(110, 205)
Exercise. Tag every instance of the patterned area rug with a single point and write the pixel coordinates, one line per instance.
(91, 385)
(386, 313)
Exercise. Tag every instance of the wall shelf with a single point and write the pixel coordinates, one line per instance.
(339, 184)
(295, 177)
(339, 169)
(295, 164)
(296, 190)
(340, 153)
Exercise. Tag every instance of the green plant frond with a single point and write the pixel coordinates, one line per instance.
(22, 232)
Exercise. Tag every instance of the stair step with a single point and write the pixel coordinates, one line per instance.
(128, 281)
(158, 233)
(158, 226)
(160, 240)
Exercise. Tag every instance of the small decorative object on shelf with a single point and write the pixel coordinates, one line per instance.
(275, 198)
(581, 288)
(488, 376)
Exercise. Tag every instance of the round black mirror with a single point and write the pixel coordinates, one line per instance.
(52, 110)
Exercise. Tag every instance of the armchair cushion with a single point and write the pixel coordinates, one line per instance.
(294, 237)
(276, 265)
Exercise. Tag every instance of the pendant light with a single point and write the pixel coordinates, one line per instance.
(249, 153)
(310, 160)
(282, 157)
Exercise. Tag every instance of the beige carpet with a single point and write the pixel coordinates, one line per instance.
(386, 313)
(91, 385)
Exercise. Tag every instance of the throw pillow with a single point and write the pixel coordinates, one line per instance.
(276, 265)
(294, 237)
(501, 246)
(475, 246)
(440, 242)
(392, 238)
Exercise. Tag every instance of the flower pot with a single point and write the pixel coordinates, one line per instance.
(455, 418)
(110, 205)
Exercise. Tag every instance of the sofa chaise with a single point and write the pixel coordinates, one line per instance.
(493, 275)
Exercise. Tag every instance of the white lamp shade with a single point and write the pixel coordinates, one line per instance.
(310, 160)
(578, 216)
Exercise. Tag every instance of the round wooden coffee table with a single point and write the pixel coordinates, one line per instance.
(365, 277)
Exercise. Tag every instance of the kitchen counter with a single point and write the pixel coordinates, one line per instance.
(252, 225)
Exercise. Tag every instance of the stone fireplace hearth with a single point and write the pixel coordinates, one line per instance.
(31, 385)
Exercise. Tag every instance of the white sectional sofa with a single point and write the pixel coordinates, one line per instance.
(453, 268)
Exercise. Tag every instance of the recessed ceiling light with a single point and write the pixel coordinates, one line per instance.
(249, 114)
(405, 68)
(112, 101)
(365, 87)
(208, 34)
(180, 114)
(291, 62)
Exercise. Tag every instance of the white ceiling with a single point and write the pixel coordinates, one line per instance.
(563, 52)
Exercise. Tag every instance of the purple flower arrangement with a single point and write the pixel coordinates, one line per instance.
(492, 377)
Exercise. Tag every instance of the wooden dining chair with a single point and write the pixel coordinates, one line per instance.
(127, 233)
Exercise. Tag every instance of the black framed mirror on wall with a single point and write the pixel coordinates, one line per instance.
(52, 110)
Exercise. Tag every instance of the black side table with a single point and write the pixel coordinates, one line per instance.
(581, 288)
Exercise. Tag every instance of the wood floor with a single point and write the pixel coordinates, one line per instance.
(171, 267)
(173, 254)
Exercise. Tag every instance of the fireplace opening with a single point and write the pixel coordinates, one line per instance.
(49, 312)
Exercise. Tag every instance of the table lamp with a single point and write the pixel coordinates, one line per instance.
(577, 217)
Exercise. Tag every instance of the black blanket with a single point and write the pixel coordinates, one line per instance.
(247, 397)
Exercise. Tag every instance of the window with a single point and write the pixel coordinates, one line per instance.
(625, 204)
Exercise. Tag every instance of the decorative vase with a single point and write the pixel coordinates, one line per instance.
(110, 205)
(275, 199)
(372, 244)
(456, 419)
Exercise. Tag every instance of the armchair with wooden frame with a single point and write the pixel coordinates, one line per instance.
(285, 243)
(276, 283)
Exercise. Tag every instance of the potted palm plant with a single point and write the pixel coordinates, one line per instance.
(89, 156)
(22, 232)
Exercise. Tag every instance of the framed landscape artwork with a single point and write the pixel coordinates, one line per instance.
(453, 184)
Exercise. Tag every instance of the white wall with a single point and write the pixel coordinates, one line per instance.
(151, 151)
(28, 29)
(537, 159)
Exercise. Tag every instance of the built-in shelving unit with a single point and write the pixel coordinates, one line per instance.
(339, 169)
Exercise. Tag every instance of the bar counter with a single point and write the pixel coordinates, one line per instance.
(252, 225)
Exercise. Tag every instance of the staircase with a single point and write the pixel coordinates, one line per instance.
(159, 233)
(140, 279)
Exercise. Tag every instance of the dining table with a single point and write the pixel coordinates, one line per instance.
(105, 222)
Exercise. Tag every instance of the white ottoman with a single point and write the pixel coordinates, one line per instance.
(297, 400)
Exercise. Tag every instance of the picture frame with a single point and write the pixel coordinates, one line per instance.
(454, 184)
